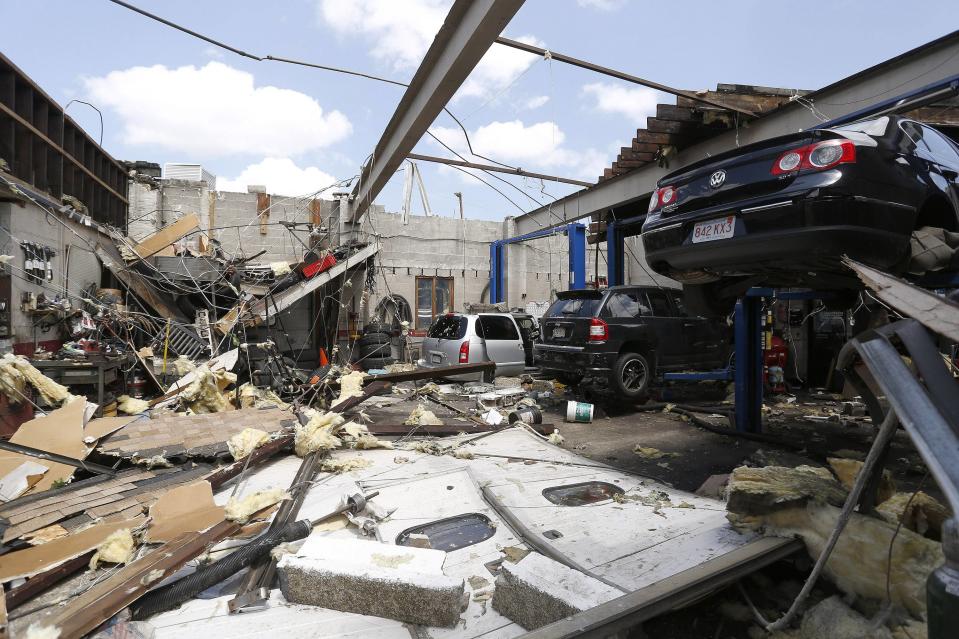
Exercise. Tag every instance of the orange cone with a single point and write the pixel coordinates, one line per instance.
(324, 360)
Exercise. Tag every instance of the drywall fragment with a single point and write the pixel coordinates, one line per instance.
(925, 514)
(846, 470)
(420, 416)
(834, 619)
(246, 441)
(187, 508)
(280, 268)
(537, 591)
(240, 510)
(341, 465)
(354, 575)
(115, 549)
(758, 491)
(555, 438)
(351, 385)
(318, 434)
(132, 405)
(20, 479)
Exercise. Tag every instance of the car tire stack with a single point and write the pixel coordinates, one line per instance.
(375, 347)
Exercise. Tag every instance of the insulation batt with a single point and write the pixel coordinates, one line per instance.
(16, 372)
(115, 549)
(131, 405)
(245, 442)
(318, 434)
(253, 397)
(422, 417)
(555, 438)
(337, 466)
(203, 395)
(351, 385)
(240, 510)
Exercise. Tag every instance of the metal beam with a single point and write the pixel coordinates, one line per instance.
(935, 61)
(589, 66)
(468, 32)
(497, 169)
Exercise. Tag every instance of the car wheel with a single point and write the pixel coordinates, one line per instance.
(377, 327)
(631, 375)
(376, 362)
(374, 338)
(376, 350)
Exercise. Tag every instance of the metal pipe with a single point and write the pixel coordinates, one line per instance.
(497, 169)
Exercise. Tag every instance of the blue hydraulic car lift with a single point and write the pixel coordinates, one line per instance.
(576, 234)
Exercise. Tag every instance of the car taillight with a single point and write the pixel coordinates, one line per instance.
(822, 155)
(465, 352)
(662, 197)
(598, 330)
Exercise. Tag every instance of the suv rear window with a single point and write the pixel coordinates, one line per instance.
(496, 327)
(574, 307)
(448, 327)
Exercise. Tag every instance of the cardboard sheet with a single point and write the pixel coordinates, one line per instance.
(20, 479)
(31, 561)
(100, 428)
(187, 508)
(59, 432)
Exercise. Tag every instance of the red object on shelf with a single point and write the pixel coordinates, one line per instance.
(319, 266)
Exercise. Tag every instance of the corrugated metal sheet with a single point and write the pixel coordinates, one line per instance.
(184, 171)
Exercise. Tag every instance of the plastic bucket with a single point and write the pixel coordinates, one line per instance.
(579, 412)
(527, 415)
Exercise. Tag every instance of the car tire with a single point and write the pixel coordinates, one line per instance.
(377, 327)
(374, 338)
(376, 362)
(631, 375)
(376, 350)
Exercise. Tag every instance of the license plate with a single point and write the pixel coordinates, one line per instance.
(718, 229)
(436, 358)
(559, 331)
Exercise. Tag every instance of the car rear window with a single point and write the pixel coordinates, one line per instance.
(448, 327)
(574, 307)
(496, 327)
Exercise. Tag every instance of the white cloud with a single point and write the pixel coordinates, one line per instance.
(602, 5)
(635, 103)
(280, 176)
(214, 110)
(538, 145)
(536, 102)
(401, 33)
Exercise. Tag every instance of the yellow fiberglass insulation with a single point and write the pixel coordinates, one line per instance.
(555, 438)
(131, 405)
(331, 465)
(351, 385)
(371, 441)
(115, 549)
(318, 434)
(422, 417)
(359, 436)
(182, 365)
(240, 510)
(253, 397)
(204, 394)
(245, 442)
(16, 372)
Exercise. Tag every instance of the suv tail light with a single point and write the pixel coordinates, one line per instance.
(465, 352)
(662, 197)
(819, 156)
(598, 330)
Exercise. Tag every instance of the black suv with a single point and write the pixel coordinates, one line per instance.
(626, 336)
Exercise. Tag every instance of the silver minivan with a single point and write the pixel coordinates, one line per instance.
(465, 339)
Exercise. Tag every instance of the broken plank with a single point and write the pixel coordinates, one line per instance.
(442, 431)
(167, 235)
(433, 373)
(374, 388)
(110, 257)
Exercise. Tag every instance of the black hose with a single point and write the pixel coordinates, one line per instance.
(174, 594)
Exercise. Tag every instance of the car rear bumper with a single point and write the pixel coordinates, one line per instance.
(784, 233)
(574, 360)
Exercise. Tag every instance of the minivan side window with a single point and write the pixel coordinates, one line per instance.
(660, 303)
(497, 327)
(626, 305)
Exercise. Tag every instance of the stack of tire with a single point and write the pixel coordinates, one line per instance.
(375, 347)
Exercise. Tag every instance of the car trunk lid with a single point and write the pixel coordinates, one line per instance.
(566, 322)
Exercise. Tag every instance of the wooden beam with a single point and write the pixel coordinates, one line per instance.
(13, 114)
(263, 211)
(167, 235)
(111, 259)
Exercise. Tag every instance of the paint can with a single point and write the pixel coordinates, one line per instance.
(579, 412)
(527, 415)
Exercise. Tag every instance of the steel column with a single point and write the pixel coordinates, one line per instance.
(576, 235)
(496, 272)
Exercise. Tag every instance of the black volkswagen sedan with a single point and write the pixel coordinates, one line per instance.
(783, 211)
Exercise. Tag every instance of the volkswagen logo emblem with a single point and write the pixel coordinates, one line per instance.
(716, 179)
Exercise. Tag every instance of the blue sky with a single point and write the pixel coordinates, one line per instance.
(168, 97)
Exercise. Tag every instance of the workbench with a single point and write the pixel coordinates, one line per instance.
(100, 372)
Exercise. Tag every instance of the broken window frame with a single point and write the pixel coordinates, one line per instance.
(612, 489)
(420, 317)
